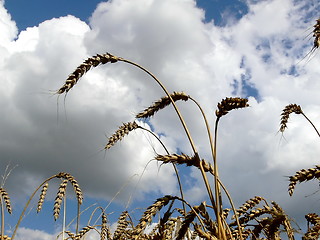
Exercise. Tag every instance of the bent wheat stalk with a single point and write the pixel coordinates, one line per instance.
(108, 58)
(224, 107)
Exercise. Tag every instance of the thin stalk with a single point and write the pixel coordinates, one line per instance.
(78, 218)
(216, 178)
(173, 164)
(232, 206)
(2, 218)
(311, 124)
(64, 215)
(181, 120)
(213, 153)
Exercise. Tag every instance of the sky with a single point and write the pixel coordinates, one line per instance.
(208, 49)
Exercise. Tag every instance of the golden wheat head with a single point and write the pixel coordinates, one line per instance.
(5, 196)
(291, 108)
(150, 212)
(316, 34)
(303, 175)
(229, 104)
(74, 184)
(120, 133)
(58, 201)
(85, 67)
(162, 103)
(42, 196)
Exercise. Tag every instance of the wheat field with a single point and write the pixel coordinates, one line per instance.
(173, 217)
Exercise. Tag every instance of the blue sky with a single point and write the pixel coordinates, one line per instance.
(211, 50)
(28, 14)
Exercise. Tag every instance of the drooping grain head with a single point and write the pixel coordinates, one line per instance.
(150, 212)
(42, 196)
(83, 232)
(291, 108)
(120, 133)
(186, 224)
(316, 34)
(5, 237)
(5, 196)
(303, 175)
(74, 184)
(249, 204)
(229, 104)
(85, 67)
(58, 201)
(162, 103)
(169, 228)
(313, 218)
(105, 229)
(121, 225)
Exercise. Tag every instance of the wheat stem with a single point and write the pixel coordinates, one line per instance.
(181, 120)
(2, 218)
(173, 164)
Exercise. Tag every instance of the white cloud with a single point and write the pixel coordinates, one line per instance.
(171, 40)
(31, 234)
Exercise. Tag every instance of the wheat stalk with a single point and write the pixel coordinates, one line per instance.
(224, 107)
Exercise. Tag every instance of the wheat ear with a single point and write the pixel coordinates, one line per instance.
(120, 133)
(303, 175)
(122, 224)
(150, 212)
(58, 201)
(229, 104)
(105, 229)
(85, 67)
(74, 184)
(224, 107)
(83, 231)
(162, 103)
(4, 199)
(291, 108)
(316, 34)
(42, 196)
(249, 204)
(5, 196)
